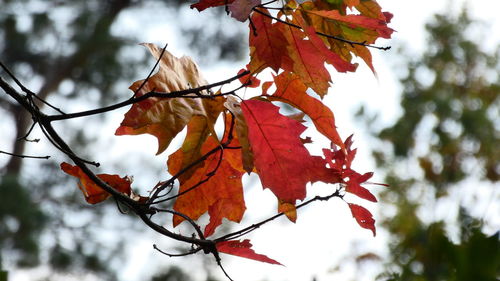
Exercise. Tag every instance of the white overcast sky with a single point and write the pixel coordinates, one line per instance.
(325, 232)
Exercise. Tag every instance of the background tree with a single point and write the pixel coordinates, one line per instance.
(441, 157)
(72, 50)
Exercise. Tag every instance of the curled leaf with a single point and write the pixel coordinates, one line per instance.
(204, 4)
(92, 192)
(241, 9)
(248, 80)
(241, 128)
(363, 217)
(165, 117)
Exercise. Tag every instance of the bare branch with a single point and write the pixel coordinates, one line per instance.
(175, 94)
(24, 156)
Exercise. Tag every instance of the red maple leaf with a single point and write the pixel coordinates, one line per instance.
(340, 162)
(280, 157)
(242, 249)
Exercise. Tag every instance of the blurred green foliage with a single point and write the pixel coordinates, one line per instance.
(448, 133)
(425, 252)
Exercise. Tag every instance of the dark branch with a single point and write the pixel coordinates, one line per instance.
(176, 94)
(187, 218)
(140, 209)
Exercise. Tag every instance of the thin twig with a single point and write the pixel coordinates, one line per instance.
(25, 137)
(152, 70)
(252, 25)
(206, 179)
(190, 166)
(246, 230)
(195, 250)
(24, 156)
(26, 90)
(350, 42)
(267, 3)
(63, 150)
(187, 218)
(219, 263)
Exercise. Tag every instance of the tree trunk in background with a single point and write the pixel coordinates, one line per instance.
(59, 70)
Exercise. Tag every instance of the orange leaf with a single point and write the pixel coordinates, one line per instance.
(372, 9)
(304, 60)
(288, 209)
(197, 133)
(290, 89)
(164, 117)
(357, 22)
(221, 195)
(92, 192)
(351, 3)
(224, 208)
(242, 249)
(363, 217)
(365, 54)
(365, 28)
